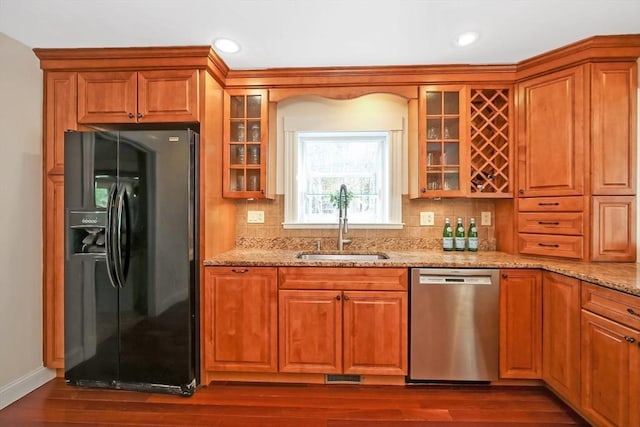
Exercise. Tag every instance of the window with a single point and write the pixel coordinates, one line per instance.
(319, 162)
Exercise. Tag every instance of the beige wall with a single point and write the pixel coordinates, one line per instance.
(20, 222)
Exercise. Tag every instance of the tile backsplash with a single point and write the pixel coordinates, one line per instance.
(413, 236)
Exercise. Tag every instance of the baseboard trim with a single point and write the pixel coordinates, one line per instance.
(25, 385)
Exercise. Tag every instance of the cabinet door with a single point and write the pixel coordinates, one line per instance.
(240, 319)
(375, 332)
(59, 115)
(167, 96)
(443, 131)
(561, 335)
(613, 128)
(107, 97)
(610, 372)
(520, 324)
(613, 228)
(53, 298)
(552, 135)
(246, 143)
(310, 331)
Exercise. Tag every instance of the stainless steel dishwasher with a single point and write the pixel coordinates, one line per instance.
(454, 325)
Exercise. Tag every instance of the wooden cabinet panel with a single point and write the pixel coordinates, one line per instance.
(520, 324)
(341, 278)
(155, 96)
(168, 96)
(375, 333)
(569, 223)
(310, 331)
(613, 228)
(618, 306)
(53, 318)
(552, 135)
(107, 97)
(561, 335)
(60, 110)
(551, 245)
(240, 319)
(613, 128)
(610, 372)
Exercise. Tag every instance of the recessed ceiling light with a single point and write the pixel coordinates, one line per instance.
(226, 45)
(465, 39)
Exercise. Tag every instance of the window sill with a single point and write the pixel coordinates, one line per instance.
(390, 226)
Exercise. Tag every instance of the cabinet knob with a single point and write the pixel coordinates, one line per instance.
(346, 298)
(139, 115)
(630, 339)
(424, 190)
(338, 297)
(505, 276)
(131, 116)
(520, 191)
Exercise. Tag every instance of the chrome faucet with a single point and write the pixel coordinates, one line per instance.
(343, 228)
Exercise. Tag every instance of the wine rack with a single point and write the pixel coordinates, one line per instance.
(490, 149)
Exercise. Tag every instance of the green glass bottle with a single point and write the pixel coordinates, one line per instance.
(458, 241)
(472, 236)
(447, 236)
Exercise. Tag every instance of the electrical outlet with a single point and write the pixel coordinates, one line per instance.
(255, 217)
(427, 218)
(486, 218)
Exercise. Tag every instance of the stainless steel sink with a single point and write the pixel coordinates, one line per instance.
(341, 256)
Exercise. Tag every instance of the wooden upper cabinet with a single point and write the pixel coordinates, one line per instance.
(613, 128)
(157, 96)
(463, 147)
(613, 228)
(551, 134)
(60, 112)
(246, 144)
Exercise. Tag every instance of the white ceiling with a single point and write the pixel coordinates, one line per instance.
(306, 33)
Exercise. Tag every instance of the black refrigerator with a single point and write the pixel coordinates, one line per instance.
(130, 271)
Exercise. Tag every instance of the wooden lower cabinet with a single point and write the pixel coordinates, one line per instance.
(561, 335)
(610, 357)
(520, 324)
(239, 324)
(343, 320)
(350, 332)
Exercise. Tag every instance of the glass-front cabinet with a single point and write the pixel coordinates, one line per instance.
(246, 143)
(442, 138)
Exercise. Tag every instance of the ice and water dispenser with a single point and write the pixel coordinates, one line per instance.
(87, 231)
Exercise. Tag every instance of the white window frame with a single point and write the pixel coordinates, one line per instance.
(393, 188)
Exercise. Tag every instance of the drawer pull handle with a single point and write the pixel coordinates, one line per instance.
(549, 245)
(630, 339)
(240, 270)
(548, 204)
(632, 312)
(548, 223)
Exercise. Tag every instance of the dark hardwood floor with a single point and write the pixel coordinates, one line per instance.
(241, 404)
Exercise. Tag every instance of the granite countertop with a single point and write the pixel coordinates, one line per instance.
(624, 277)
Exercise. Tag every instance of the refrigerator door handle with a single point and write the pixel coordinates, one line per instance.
(108, 242)
(122, 209)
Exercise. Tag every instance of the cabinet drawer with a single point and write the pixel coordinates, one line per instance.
(383, 279)
(551, 245)
(551, 204)
(614, 305)
(568, 223)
